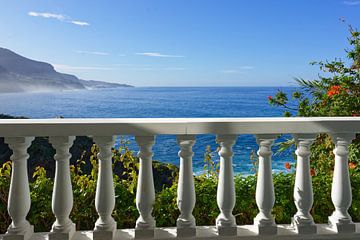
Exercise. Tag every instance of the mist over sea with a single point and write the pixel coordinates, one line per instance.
(160, 102)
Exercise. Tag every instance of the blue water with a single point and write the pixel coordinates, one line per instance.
(160, 102)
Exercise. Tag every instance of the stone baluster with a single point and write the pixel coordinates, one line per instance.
(186, 226)
(145, 194)
(62, 197)
(225, 222)
(264, 222)
(340, 220)
(303, 193)
(19, 194)
(105, 225)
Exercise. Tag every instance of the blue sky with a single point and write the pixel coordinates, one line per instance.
(180, 42)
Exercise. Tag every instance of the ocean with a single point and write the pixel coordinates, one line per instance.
(162, 102)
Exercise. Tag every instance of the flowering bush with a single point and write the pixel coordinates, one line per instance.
(335, 93)
(336, 90)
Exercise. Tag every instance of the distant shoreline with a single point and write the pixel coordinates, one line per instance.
(152, 87)
(21, 74)
(64, 90)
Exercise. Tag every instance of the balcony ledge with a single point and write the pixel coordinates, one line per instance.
(285, 232)
(20, 133)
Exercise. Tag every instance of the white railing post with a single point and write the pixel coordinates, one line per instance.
(186, 225)
(303, 193)
(105, 225)
(340, 220)
(225, 222)
(145, 193)
(265, 199)
(19, 194)
(62, 197)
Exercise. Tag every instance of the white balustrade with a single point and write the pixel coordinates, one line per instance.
(62, 198)
(225, 222)
(341, 195)
(264, 222)
(145, 193)
(304, 130)
(186, 226)
(303, 193)
(105, 225)
(19, 194)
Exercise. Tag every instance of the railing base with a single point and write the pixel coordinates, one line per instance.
(186, 232)
(227, 231)
(61, 236)
(337, 226)
(309, 228)
(144, 233)
(285, 232)
(305, 229)
(103, 235)
(25, 236)
(265, 230)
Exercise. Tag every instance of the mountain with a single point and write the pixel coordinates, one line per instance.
(20, 74)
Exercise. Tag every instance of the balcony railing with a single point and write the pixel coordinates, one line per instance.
(20, 133)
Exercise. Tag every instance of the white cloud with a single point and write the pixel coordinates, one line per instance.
(122, 65)
(63, 67)
(113, 67)
(351, 3)
(59, 17)
(80, 23)
(47, 15)
(93, 53)
(142, 69)
(229, 71)
(246, 67)
(175, 68)
(156, 54)
(238, 69)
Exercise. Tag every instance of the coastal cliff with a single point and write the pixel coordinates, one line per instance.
(20, 74)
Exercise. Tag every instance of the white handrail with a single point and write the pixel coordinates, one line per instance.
(180, 126)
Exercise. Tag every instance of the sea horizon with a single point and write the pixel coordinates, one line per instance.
(161, 102)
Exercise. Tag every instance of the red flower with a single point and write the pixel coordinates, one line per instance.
(356, 115)
(335, 90)
(312, 172)
(352, 165)
(287, 166)
(270, 98)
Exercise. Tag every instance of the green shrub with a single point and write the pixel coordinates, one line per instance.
(165, 208)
